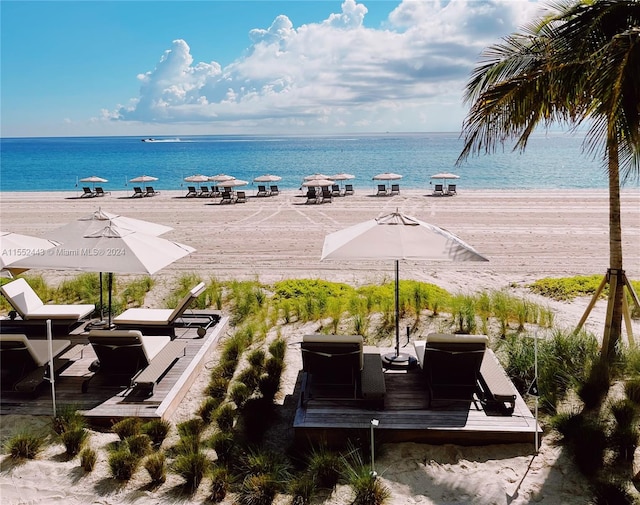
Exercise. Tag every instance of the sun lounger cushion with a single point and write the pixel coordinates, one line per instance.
(29, 305)
(110, 346)
(158, 317)
(498, 391)
(23, 361)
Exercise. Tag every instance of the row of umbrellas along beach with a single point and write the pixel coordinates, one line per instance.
(223, 180)
(106, 242)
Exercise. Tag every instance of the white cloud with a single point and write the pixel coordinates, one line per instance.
(336, 74)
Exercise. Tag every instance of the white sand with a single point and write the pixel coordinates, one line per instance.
(526, 235)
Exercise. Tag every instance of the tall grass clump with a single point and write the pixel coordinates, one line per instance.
(67, 417)
(612, 490)
(367, 488)
(25, 445)
(155, 465)
(134, 292)
(127, 427)
(301, 488)
(191, 467)
(586, 437)
(74, 440)
(123, 463)
(324, 466)
(88, 459)
(157, 430)
(220, 483)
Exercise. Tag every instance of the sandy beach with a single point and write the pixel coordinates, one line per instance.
(526, 235)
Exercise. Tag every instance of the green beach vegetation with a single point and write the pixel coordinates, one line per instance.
(225, 441)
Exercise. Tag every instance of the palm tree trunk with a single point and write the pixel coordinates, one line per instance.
(613, 323)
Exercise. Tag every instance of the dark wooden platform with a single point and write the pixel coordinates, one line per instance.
(405, 418)
(101, 404)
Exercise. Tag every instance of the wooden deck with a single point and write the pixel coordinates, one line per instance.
(102, 405)
(406, 417)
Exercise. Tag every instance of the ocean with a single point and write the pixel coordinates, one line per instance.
(553, 160)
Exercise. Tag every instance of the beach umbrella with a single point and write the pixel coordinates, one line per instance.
(111, 249)
(15, 246)
(444, 176)
(267, 178)
(397, 237)
(98, 220)
(143, 179)
(197, 178)
(342, 177)
(232, 183)
(94, 179)
(220, 178)
(317, 183)
(387, 176)
(316, 177)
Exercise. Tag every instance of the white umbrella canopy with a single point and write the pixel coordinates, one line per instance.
(267, 178)
(220, 178)
(387, 176)
(342, 177)
(315, 183)
(94, 179)
(445, 175)
(15, 246)
(397, 237)
(317, 177)
(232, 183)
(197, 178)
(110, 249)
(143, 178)
(98, 220)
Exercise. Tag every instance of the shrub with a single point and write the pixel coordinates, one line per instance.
(224, 444)
(220, 484)
(139, 445)
(589, 446)
(191, 428)
(594, 389)
(239, 394)
(301, 489)
(612, 491)
(157, 430)
(191, 467)
(88, 458)
(278, 349)
(25, 445)
(258, 489)
(67, 417)
(624, 412)
(225, 417)
(250, 376)
(368, 489)
(155, 466)
(207, 408)
(127, 427)
(324, 467)
(256, 358)
(632, 390)
(217, 387)
(73, 440)
(123, 464)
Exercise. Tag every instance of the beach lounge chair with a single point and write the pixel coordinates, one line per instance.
(30, 307)
(241, 197)
(312, 196)
(451, 189)
(164, 321)
(335, 190)
(137, 192)
(262, 191)
(497, 391)
(227, 197)
(438, 190)
(451, 364)
(382, 190)
(341, 367)
(24, 363)
(127, 358)
(192, 192)
(273, 190)
(348, 189)
(215, 192)
(395, 189)
(204, 192)
(327, 195)
(151, 191)
(87, 193)
(101, 192)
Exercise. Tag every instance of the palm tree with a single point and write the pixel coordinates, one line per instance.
(578, 64)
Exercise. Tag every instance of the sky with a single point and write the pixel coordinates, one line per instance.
(151, 68)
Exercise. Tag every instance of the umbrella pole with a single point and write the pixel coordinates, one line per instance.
(110, 285)
(395, 359)
(101, 300)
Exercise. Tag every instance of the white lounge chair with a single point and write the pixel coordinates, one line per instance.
(164, 320)
(128, 358)
(24, 363)
(29, 306)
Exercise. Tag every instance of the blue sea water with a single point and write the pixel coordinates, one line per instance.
(553, 160)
